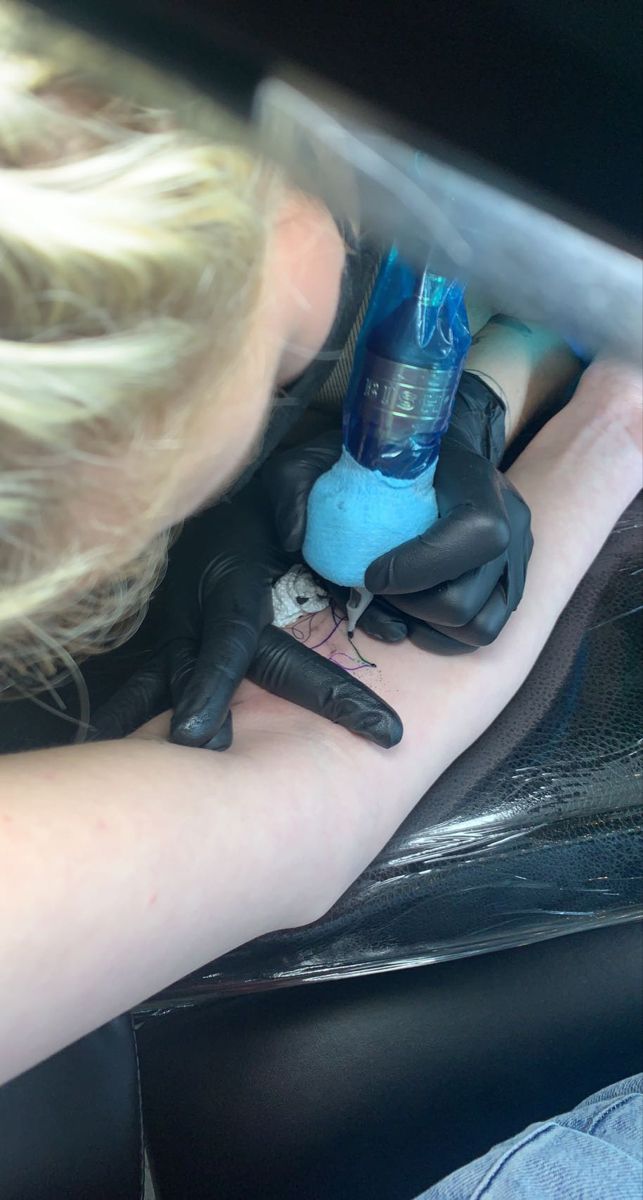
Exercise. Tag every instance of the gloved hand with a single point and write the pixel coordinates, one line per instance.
(216, 610)
(454, 587)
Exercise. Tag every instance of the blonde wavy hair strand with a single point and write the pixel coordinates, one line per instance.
(130, 244)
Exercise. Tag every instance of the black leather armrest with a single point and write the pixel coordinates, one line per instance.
(70, 1129)
(373, 1088)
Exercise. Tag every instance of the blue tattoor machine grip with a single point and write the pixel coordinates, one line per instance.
(407, 367)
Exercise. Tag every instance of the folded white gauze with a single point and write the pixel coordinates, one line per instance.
(295, 594)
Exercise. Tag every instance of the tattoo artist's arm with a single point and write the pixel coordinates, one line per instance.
(524, 363)
(127, 864)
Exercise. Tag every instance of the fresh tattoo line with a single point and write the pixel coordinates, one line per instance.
(351, 659)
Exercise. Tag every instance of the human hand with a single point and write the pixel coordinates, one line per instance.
(454, 587)
(216, 611)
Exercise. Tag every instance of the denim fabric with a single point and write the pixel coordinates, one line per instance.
(594, 1152)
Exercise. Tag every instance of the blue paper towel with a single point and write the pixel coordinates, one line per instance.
(354, 515)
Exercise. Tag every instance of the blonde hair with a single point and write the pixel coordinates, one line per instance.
(129, 244)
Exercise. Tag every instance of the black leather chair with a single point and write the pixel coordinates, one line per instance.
(70, 1129)
(536, 831)
(374, 1088)
(533, 833)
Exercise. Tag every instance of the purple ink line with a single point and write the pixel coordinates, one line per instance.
(338, 621)
(298, 630)
(337, 654)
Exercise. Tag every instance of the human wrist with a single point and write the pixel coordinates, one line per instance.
(307, 271)
(478, 418)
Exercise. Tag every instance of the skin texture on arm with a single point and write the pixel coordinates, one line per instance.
(125, 865)
(524, 364)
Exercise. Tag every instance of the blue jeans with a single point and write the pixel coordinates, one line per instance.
(594, 1152)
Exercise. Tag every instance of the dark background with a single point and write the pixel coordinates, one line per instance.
(547, 92)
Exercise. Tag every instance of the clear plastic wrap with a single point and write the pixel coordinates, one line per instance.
(535, 832)
(524, 258)
(524, 254)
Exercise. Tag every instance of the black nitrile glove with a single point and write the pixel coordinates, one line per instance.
(454, 587)
(216, 607)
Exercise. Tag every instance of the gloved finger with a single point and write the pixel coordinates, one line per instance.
(487, 624)
(288, 669)
(289, 477)
(464, 476)
(228, 644)
(142, 697)
(426, 638)
(461, 542)
(517, 573)
(522, 544)
(383, 623)
(183, 658)
(379, 620)
(455, 603)
(182, 654)
(222, 739)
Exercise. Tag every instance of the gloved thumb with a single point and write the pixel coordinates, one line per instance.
(289, 478)
(203, 688)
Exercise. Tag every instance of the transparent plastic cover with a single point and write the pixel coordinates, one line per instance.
(527, 261)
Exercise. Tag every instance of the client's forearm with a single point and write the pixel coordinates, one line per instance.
(578, 476)
(125, 865)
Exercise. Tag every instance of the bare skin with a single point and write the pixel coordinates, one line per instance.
(296, 310)
(110, 889)
(524, 363)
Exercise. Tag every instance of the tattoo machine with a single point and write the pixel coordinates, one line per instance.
(407, 366)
